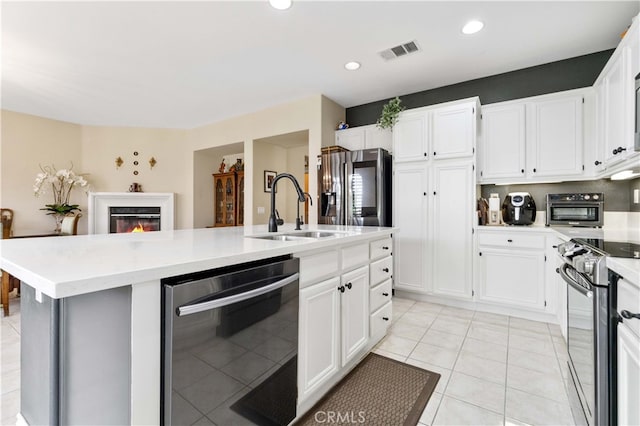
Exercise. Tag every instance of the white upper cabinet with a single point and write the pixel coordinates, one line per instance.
(375, 137)
(503, 149)
(351, 139)
(617, 109)
(364, 137)
(454, 131)
(410, 136)
(556, 137)
(531, 139)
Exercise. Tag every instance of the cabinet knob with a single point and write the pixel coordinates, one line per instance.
(521, 170)
(424, 193)
(618, 150)
(341, 288)
(385, 269)
(557, 270)
(628, 315)
(385, 294)
(425, 154)
(385, 248)
(349, 285)
(534, 170)
(509, 241)
(385, 318)
(434, 192)
(597, 163)
(434, 153)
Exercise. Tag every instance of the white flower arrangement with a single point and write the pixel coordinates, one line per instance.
(62, 182)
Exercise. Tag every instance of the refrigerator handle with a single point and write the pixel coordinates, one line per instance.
(348, 193)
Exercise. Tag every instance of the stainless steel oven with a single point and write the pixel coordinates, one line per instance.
(578, 209)
(591, 328)
(230, 344)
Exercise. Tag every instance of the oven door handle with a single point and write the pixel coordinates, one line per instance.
(218, 303)
(573, 283)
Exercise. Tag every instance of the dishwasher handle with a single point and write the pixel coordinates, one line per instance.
(189, 309)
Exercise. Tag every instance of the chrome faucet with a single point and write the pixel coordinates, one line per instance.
(273, 225)
(298, 220)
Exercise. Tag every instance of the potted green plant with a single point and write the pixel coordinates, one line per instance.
(390, 112)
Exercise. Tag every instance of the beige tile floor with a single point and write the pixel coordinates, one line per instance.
(495, 369)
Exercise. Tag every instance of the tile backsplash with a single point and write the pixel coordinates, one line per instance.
(618, 195)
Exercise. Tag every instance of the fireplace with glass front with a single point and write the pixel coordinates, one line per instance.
(133, 219)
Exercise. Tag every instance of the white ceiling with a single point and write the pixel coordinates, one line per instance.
(185, 64)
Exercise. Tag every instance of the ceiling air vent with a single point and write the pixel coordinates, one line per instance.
(401, 50)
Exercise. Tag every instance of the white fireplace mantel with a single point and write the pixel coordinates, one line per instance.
(99, 203)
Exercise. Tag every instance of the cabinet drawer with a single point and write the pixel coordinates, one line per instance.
(511, 240)
(319, 265)
(629, 299)
(379, 295)
(381, 270)
(355, 256)
(380, 321)
(380, 248)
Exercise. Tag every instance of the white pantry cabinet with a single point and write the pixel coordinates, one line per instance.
(530, 139)
(364, 137)
(628, 354)
(410, 215)
(511, 269)
(452, 227)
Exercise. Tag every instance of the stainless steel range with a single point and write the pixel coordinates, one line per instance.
(591, 326)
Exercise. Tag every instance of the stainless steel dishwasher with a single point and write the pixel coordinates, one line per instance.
(230, 345)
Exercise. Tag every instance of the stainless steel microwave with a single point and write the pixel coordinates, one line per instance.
(578, 209)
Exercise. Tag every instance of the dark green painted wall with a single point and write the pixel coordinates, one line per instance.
(567, 74)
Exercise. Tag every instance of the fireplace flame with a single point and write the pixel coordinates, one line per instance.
(138, 228)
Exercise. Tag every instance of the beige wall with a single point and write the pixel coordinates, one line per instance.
(28, 141)
(295, 166)
(274, 158)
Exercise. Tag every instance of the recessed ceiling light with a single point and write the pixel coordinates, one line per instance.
(472, 27)
(280, 4)
(352, 66)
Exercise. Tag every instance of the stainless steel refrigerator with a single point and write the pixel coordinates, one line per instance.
(355, 188)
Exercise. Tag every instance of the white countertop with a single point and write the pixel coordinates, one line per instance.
(72, 265)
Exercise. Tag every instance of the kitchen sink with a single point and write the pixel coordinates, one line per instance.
(296, 236)
(281, 237)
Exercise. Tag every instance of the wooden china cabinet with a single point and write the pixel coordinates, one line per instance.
(228, 192)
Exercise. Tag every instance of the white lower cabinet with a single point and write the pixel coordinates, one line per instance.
(511, 269)
(319, 334)
(334, 327)
(629, 354)
(354, 305)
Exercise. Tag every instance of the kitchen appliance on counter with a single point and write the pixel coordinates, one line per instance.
(495, 215)
(592, 326)
(230, 344)
(355, 188)
(575, 209)
(518, 208)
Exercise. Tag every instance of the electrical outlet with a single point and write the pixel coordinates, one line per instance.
(636, 196)
(260, 210)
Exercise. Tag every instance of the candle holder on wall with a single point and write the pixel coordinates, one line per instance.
(119, 162)
(152, 162)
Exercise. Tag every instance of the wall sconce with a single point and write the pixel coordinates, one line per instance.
(152, 162)
(119, 162)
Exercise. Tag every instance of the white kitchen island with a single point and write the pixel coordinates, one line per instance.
(118, 275)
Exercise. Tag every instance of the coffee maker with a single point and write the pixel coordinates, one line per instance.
(518, 208)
